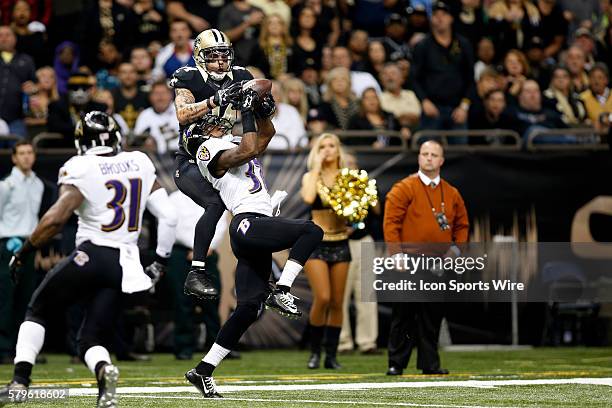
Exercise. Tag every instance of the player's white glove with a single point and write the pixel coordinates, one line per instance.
(155, 271)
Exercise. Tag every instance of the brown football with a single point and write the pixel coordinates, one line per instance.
(261, 86)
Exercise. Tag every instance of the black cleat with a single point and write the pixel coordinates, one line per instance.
(107, 387)
(331, 363)
(14, 392)
(206, 385)
(198, 284)
(282, 303)
(314, 361)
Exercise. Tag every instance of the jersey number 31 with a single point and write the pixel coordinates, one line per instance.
(116, 204)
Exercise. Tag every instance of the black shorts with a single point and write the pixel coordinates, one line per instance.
(190, 181)
(332, 251)
(254, 237)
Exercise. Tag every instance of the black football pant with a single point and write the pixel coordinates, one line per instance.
(190, 181)
(92, 275)
(254, 237)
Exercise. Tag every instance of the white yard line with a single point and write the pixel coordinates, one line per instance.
(349, 386)
(352, 403)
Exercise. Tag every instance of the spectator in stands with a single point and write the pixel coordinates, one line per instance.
(31, 36)
(109, 60)
(240, 22)
(65, 112)
(142, 61)
(370, 15)
(371, 117)
(598, 99)
(295, 95)
(358, 49)
(561, 97)
(340, 102)
(493, 115)
(275, 42)
(40, 11)
(177, 53)
(129, 99)
(315, 122)
(470, 20)
(200, 15)
(310, 77)
(341, 57)
(306, 49)
(105, 97)
(601, 20)
(402, 103)
(575, 60)
(327, 29)
(584, 39)
(66, 61)
(395, 39)
(159, 121)
(539, 66)
(326, 62)
(287, 122)
(46, 92)
(516, 70)
(418, 24)
(485, 54)
(17, 77)
(443, 76)
(512, 23)
(151, 23)
(377, 57)
(580, 13)
(270, 7)
(105, 20)
(530, 114)
(553, 27)
(604, 45)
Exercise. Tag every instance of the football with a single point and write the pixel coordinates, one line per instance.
(261, 86)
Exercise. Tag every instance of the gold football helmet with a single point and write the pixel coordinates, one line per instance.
(213, 47)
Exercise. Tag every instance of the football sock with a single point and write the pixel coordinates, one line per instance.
(22, 373)
(205, 231)
(212, 360)
(29, 342)
(95, 355)
(290, 272)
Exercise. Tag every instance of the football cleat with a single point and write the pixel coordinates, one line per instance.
(107, 387)
(14, 392)
(282, 303)
(198, 284)
(206, 385)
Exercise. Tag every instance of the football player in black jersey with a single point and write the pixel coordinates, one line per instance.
(214, 85)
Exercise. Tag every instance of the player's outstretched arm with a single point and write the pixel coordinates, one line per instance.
(70, 198)
(250, 146)
(265, 132)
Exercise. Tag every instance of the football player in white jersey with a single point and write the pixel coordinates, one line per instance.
(254, 233)
(108, 190)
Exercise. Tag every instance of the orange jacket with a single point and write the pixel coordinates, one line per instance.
(408, 216)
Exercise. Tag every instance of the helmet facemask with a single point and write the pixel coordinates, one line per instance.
(218, 61)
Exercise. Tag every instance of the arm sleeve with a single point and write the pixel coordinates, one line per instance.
(396, 206)
(461, 226)
(159, 204)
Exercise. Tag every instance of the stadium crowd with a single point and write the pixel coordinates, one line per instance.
(393, 65)
(396, 65)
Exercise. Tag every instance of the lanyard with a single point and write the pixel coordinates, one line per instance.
(433, 209)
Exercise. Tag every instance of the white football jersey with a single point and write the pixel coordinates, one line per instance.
(116, 189)
(243, 188)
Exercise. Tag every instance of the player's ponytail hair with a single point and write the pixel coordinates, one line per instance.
(313, 156)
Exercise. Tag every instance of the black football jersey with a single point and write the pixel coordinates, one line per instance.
(202, 86)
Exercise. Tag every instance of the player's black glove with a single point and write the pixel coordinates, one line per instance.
(266, 107)
(250, 99)
(232, 95)
(157, 269)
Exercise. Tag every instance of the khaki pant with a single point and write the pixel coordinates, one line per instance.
(366, 323)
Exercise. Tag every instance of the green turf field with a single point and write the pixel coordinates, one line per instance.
(483, 379)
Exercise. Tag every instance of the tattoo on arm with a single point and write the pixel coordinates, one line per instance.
(187, 109)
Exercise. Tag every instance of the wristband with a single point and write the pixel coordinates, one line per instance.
(248, 122)
(161, 260)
